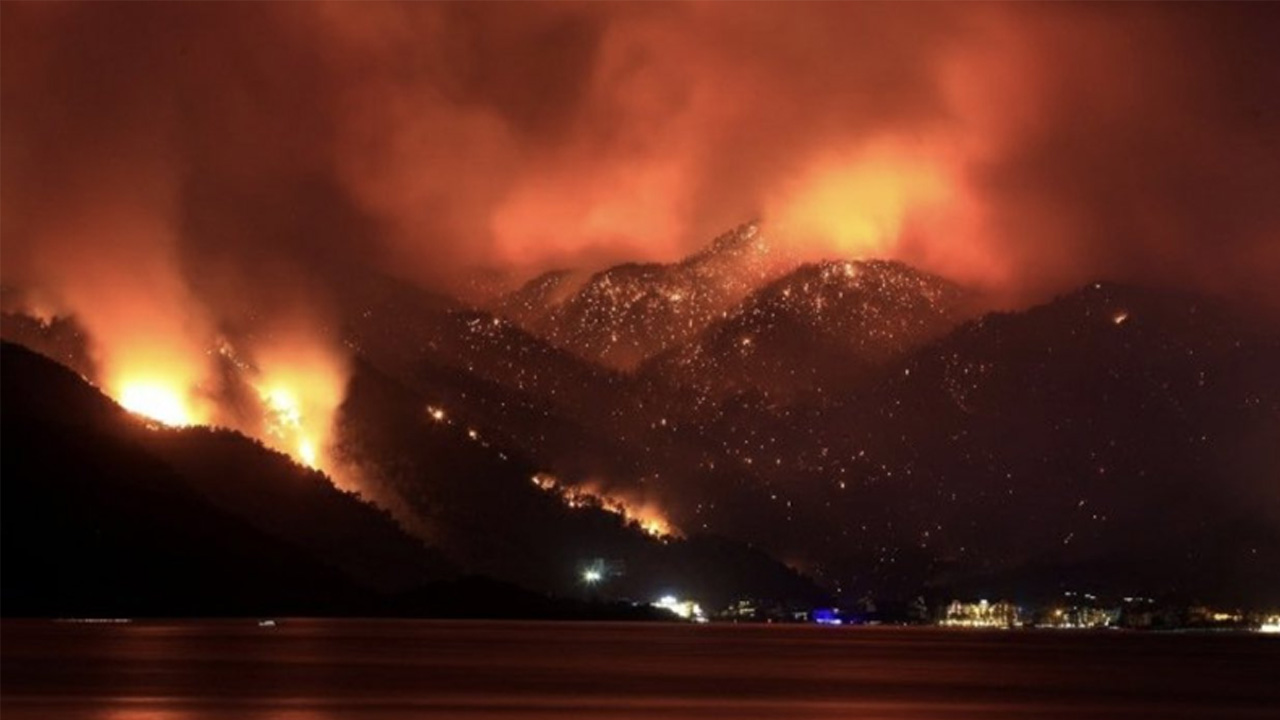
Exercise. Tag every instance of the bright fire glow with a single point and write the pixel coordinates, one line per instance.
(301, 386)
(859, 205)
(646, 516)
(284, 423)
(158, 401)
(307, 451)
(299, 382)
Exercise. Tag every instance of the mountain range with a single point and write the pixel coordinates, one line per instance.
(808, 431)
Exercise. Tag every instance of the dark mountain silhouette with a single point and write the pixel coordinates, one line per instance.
(838, 443)
(108, 515)
(97, 522)
(1122, 437)
(60, 338)
(293, 543)
(518, 389)
(477, 501)
(1117, 438)
(582, 422)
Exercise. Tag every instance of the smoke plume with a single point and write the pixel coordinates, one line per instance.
(177, 174)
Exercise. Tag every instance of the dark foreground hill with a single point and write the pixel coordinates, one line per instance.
(106, 514)
(478, 501)
(840, 415)
(95, 521)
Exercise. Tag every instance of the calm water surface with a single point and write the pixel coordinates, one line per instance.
(395, 670)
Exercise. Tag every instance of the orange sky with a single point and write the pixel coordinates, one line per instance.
(173, 174)
(1028, 146)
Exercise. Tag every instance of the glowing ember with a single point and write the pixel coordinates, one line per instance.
(156, 401)
(644, 516)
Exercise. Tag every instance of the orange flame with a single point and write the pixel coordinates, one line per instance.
(160, 402)
(301, 383)
(645, 515)
(160, 381)
(859, 204)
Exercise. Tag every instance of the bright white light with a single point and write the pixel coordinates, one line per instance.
(156, 401)
(685, 609)
(591, 577)
(307, 452)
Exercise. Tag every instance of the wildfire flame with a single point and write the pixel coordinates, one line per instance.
(301, 384)
(858, 204)
(646, 516)
(157, 401)
(284, 423)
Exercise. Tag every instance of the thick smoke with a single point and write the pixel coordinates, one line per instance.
(191, 170)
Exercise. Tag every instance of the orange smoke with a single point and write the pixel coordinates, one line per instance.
(118, 275)
(1019, 146)
(615, 209)
(858, 204)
